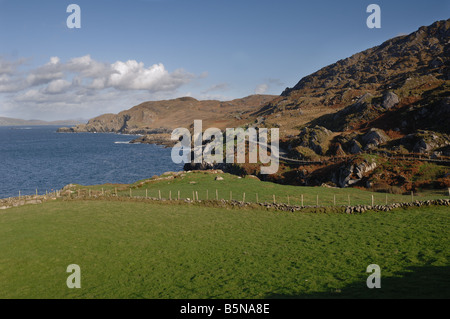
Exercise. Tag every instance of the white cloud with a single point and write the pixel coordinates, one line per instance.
(53, 70)
(9, 79)
(57, 86)
(261, 89)
(8, 67)
(132, 75)
(83, 83)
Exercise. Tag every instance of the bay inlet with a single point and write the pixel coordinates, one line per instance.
(37, 157)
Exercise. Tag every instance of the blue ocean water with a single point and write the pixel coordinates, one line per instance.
(36, 157)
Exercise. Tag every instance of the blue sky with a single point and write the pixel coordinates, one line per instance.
(127, 52)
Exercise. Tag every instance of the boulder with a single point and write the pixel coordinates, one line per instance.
(373, 138)
(390, 99)
(315, 138)
(344, 176)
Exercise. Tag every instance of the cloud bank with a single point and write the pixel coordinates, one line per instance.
(82, 84)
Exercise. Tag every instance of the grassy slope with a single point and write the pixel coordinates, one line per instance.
(153, 250)
(203, 182)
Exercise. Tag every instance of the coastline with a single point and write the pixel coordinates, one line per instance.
(154, 136)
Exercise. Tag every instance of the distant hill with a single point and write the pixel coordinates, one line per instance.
(157, 119)
(7, 121)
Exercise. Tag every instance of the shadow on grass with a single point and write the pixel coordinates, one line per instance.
(416, 282)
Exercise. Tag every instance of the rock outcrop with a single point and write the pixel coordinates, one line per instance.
(374, 138)
(351, 173)
(315, 138)
(390, 99)
(425, 141)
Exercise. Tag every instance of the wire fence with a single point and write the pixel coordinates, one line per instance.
(307, 199)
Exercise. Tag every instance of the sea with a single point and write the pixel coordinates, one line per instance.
(37, 157)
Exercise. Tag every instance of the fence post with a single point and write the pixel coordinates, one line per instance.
(372, 200)
(130, 193)
(146, 193)
(170, 195)
(193, 196)
(243, 197)
(334, 199)
(231, 195)
(159, 194)
(196, 194)
(37, 191)
(257, 199)
(217, 194)
(274, 200)
(115, 190)
(103, 192)
(302, 201)
(317, 200)
(178, 195)
(412, 196)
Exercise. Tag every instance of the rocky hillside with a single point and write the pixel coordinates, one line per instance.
(157, 119)
(378, 119)
(412, 66)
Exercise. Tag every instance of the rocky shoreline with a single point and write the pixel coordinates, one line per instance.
(159, 136)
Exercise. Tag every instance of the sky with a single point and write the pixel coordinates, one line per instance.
(128, 52)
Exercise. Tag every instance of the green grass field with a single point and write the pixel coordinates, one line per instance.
(205, 185)
(132, 249)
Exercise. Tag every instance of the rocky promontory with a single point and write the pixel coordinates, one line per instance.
(156, 120)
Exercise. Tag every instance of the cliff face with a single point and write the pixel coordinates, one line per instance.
(161, 117)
